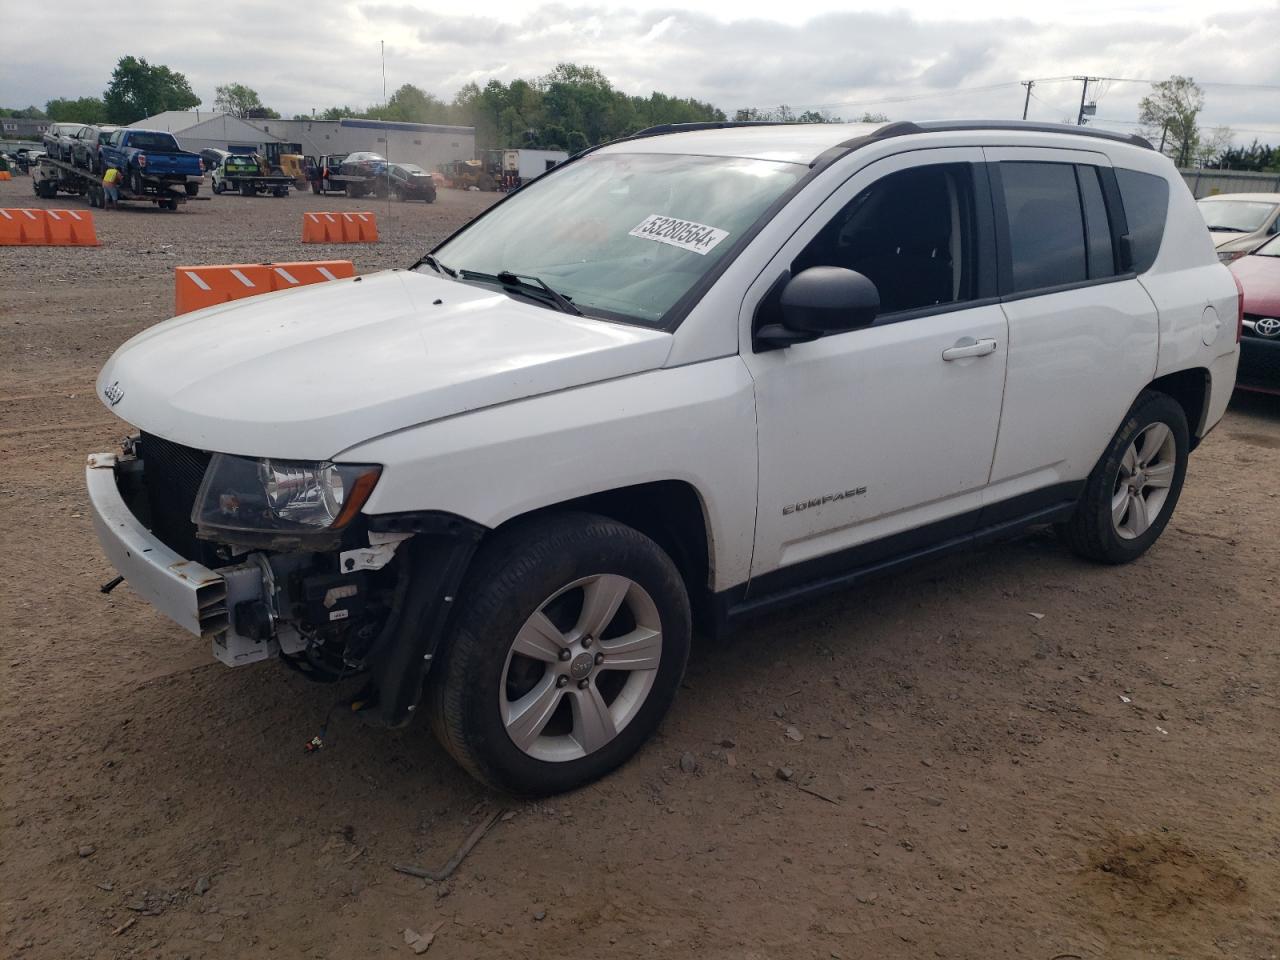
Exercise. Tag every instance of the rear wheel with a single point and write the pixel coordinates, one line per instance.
(1131, 494)
(569, 642)
(192, 189)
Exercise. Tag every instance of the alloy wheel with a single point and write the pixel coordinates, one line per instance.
(580, 668)
(1143, 481)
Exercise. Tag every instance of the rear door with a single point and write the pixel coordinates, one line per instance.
(1083, 333)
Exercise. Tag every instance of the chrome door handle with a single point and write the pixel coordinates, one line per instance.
(969, 347)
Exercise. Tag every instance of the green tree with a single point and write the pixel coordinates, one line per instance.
(240, 101)
(23, 113)
(412, 105)
(1169, 114)
(137, 89)
(82, 110)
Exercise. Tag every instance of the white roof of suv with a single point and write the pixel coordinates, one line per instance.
(805, 142)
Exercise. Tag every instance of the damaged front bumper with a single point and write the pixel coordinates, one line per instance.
(203, 602)
(188, 593)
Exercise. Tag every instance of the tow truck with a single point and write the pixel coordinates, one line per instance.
(245, 174)
(328, 178)
(51, 177)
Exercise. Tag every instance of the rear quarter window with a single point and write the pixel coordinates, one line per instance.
(1146, 204)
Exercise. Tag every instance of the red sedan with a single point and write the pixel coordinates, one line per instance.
(1259, 276)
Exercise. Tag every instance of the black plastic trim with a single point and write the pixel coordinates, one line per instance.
(1029, 126)
(437, 558)
(845, 568)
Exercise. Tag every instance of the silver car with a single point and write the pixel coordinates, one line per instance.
(58, 139)
(1239, 222)
(86, 146)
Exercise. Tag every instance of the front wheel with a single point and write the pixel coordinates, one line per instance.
(569, 642)
(1130, 495)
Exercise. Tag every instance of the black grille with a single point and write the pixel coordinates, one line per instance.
(172, 475)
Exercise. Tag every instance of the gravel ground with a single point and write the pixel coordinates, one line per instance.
(1008, 754)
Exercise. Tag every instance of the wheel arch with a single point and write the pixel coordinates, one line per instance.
(1190, 388)
(672, 514)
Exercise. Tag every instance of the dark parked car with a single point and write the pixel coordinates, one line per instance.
(86, 147)
(1258, 274)
(58, 139)
(410, 182)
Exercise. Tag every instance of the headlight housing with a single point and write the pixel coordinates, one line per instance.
(288, 496)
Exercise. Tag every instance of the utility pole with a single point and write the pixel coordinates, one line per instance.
(382, 44)
(1027, 100)
(1084, 92)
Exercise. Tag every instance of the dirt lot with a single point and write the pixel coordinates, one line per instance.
(1010, 754)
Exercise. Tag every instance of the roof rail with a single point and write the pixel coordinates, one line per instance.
(662, 128)
(1030, 126)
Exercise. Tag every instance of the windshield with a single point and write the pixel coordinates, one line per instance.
(623, 236)
(1269, 249)
(410, 168)
(1237, 216)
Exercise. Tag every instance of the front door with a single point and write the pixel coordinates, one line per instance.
(887, 431)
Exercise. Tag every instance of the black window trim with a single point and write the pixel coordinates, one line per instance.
(1119, 234)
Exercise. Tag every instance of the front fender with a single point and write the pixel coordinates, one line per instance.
(694, 424)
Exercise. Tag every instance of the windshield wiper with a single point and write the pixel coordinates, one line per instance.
(526, 284)
(1221, 229)
(436, 265)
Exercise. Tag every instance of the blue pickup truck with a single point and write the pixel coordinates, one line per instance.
(152, 159)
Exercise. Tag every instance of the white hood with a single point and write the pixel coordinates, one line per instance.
(305, 374)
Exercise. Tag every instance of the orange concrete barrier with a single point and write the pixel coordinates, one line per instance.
(29, 227)
(197, 287)
(360, 227)
(332, 227)
(5, 175)
(70, 228)
(21, 226)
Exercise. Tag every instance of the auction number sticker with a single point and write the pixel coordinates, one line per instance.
(685, 234)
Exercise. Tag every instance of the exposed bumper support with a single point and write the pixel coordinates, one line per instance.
(190, 594)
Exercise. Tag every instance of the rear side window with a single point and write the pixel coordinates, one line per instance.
(1046, 225)
(1097, 229)
(1146, 203)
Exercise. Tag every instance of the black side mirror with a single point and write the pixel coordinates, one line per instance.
(820, 301)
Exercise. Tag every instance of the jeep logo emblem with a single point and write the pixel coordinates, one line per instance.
(581, 665)
(113, 394)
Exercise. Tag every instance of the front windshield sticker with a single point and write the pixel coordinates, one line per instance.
(684, 234)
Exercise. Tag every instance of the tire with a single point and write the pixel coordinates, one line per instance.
(543, 571)
(135, 183)
(193, 189)
(247, 190)
(216, 187)
(1152, 445)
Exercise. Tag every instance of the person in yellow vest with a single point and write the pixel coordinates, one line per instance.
(111, 188)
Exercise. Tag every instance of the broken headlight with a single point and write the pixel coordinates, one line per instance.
(291, 496)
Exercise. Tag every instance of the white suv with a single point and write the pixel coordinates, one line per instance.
(678, 380)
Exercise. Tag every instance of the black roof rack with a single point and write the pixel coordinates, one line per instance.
(662, 128)
(904, 127)
(1030, 126)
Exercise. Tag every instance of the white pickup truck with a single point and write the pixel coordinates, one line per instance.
(680, 379)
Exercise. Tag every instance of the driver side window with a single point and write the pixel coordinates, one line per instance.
(912, 233)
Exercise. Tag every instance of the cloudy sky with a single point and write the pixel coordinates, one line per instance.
(932, 59)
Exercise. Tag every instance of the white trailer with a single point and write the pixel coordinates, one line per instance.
(520, 166)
